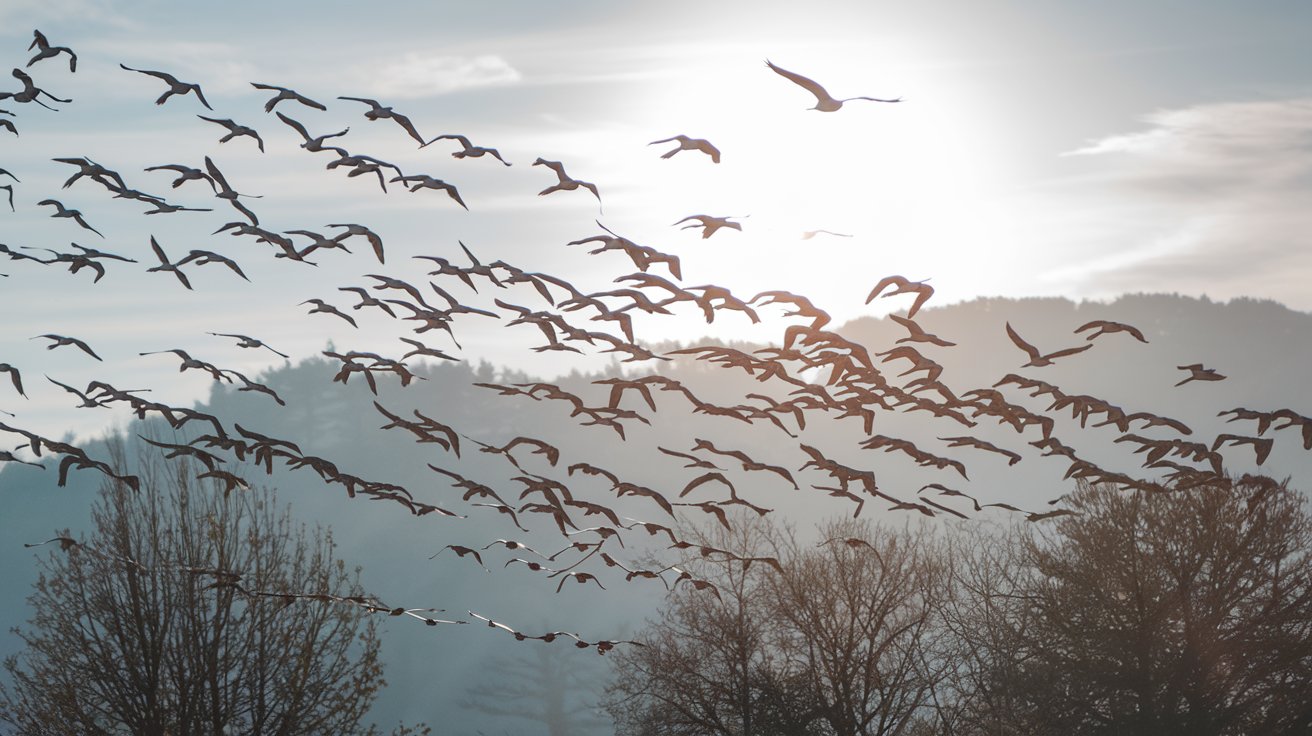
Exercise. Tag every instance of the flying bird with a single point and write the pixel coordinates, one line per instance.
(690, 144)
(286, 94)
(60, 340)
(922, 291)
(1038, 360)
(812, 233)
(378, 112)
(565, 183)
(235, 130)
(468, 150)
(165, 265)
(1103, 327)
(1198, 373)
(75, 215)
(709, 224)
(824, 101)
(46, 51)
(175, 87)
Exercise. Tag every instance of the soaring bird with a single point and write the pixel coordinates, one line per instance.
(185, 174)
(60, 340)
(235, 130)
(1198, 373)
(10, 188)
(415, 182)
(709, 224)
(74, 215)
(1104, 327)
(315, 144)
(565, 182)
(468, 150)
(824, 102)
(378, 112)
(46, 51)
(286, 94)
(922, 291)
(1038, 360)
(375, 241)
(175, 87)
(690, 144)
(807, 235)
(166, 265)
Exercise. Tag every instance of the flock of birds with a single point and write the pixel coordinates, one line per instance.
(859, 381)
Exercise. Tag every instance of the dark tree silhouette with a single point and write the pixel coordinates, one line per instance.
(1180, 613)
(147, 625)
(843, 640)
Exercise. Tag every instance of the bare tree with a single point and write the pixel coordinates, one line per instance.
(859, 616)
(709, 664)
(839, 639)
(1180, 613)
(149, 626)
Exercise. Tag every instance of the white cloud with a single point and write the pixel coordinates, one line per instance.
(427, 75)
(1208, 199)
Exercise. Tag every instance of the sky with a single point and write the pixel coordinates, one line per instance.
(1065, 149)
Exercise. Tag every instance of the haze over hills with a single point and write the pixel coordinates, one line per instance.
(1262, 347)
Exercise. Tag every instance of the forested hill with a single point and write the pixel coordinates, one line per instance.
(1262, 348)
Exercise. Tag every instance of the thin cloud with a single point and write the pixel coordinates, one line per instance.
(429, 75)
(1214, 200)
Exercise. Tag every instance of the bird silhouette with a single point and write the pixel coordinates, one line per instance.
(709, 224)
(175, 87)
(690, 144)
(286, 94)
(824, 101)
(235, 130)
(565, 183)
(1037, 359)
(377, 111)
(467, 149)
(46, 51)
(60, 340)
(64, 212)
(1199, 373)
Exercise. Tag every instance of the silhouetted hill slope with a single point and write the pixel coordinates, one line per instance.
(1262, 347)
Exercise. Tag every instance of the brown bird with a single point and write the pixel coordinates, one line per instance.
(1198, 373)
(1103, 327)
(709, 224)
(824, 102)
(1036, 359)
(922, 291)
(175, 87)
(690, 144)
(917, 333)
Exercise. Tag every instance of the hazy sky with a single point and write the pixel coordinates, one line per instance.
(1074, 149)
